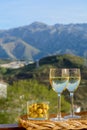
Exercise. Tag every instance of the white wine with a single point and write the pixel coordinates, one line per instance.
(73, 83)
(59, 83)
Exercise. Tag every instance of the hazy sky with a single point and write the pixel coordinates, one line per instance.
(15, 13)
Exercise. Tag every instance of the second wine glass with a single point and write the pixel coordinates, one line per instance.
(58, 79)
(74, 81)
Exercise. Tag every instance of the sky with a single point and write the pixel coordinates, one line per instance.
(16, 13)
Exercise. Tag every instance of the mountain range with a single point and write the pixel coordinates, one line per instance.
(38, 40)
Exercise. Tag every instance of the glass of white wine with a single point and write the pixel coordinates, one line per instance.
(74, 81)
(58, 79)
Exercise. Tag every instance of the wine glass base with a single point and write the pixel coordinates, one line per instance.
(57, 119)
(72, 117)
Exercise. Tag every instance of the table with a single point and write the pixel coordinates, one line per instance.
(11, 127)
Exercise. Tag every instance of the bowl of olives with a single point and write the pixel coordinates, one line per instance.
(37, 110)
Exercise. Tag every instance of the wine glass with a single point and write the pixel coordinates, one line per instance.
(58, 79)
(74, 81)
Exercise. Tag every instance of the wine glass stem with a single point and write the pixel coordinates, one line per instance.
(59, 107)
(72, 104)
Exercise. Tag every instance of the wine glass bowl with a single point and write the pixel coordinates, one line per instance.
(58, 79)
(74, 79)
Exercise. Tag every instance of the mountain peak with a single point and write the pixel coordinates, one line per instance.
(38, 25)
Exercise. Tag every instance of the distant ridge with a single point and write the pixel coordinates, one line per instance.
(38, 39)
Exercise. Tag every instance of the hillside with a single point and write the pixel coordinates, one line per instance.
(41, 74)
(37, 40)
(36, 81)
(30, 70)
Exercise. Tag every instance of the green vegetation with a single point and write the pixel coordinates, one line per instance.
(21, 92)
(31, 83)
